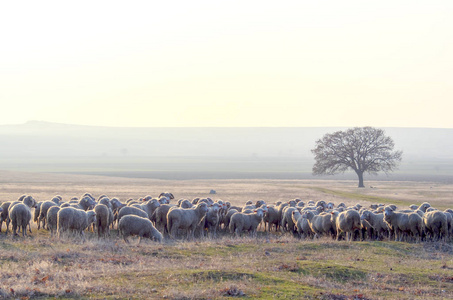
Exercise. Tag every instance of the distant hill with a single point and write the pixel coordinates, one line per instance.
(47, 146)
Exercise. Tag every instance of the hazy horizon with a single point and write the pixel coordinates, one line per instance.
(227, 64)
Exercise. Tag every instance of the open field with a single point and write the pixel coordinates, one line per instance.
(266, 267)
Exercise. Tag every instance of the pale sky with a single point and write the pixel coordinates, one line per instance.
(227, 63)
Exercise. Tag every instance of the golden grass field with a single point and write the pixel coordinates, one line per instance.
(277, 266)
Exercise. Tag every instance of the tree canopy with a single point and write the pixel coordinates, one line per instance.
(361, 149)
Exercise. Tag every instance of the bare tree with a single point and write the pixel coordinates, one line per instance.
(362, 149)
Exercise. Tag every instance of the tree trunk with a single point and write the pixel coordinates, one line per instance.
(360, 174)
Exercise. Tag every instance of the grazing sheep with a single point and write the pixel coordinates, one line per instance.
(379, 226)
(43, 212)
(102, 219)
(246, 222)
(131, 210)
(347, 221)
(20, 215)
(185, 219)
(436, 225)
(70, 218)
(142, 227)
(404, 223)
(52, 219)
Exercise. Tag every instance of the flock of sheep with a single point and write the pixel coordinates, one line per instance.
(156, 218)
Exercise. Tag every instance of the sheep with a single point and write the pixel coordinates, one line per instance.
(319, 224)
(106, 201)
(102, 219)
(246, 222)
(116, 204)
(300, 204)
(52, 219)
(301, 224)
(28, 201)
(167, 195)
(287, 223)
(57, 199)
(149, 206)
(449, 214)
(87, 202)
(37, 213)
(186, 219)
(184, 203)
(403, 223)
(379, 226)
(4, 214)
(347, 222)
(227, 218)
(424, 206)
(20, 215)
(281, 207)
(43, 212)
(211, 220)
(271, 218)
(75, 219)
(142, 227)
(130, 210)
(413, 207)
(321, 203)
(259, 203)
(436, 225)
(159, 217)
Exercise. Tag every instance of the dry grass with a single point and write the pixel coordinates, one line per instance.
(276, 266)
